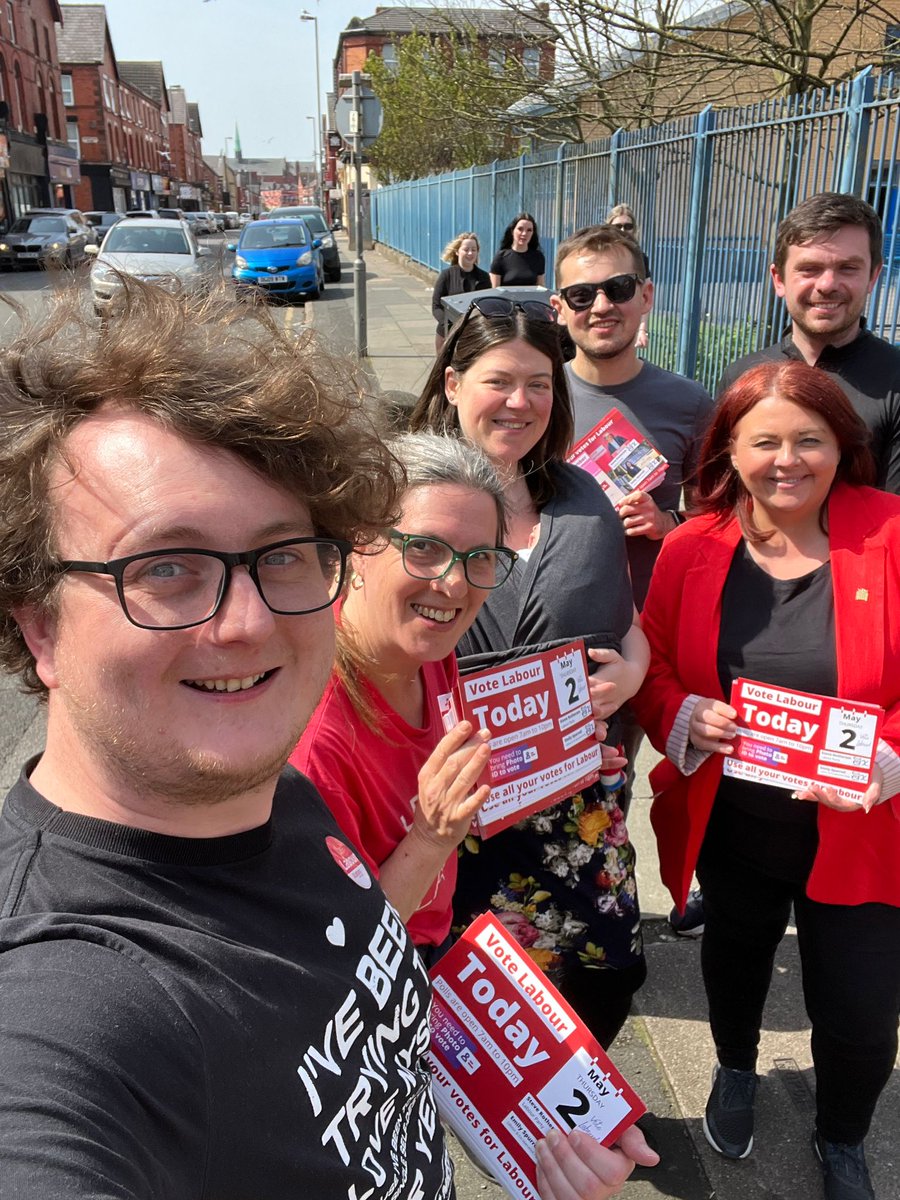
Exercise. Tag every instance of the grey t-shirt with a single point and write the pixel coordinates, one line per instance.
(674, 413)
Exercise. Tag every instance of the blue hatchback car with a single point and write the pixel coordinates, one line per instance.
(280, 258)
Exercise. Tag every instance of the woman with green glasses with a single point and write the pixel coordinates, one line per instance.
(403, 791)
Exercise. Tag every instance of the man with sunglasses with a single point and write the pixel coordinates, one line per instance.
(204, 991)
(601, 298)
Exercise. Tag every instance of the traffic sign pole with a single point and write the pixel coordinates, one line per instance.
(359, 266)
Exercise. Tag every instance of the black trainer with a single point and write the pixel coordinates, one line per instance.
(690, 923)
(844, 1170)
(728, 1123)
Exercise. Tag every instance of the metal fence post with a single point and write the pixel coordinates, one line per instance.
(560, 195)
(856, 142)
(470, 223)
(495, 240)
(521, 183)
(689, 331)
(612, 194)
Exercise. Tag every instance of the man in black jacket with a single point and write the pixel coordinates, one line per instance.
(828, 256)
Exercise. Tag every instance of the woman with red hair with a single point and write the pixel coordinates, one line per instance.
(789, 575)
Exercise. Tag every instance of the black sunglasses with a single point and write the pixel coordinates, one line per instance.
(618, 289)
(625, 226)
(501, 307)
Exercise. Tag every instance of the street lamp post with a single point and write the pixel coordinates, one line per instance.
(308, 16)
(315, 154)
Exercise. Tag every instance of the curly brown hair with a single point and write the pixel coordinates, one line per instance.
(218, 373)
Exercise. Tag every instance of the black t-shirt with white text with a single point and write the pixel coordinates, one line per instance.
(235, 1018)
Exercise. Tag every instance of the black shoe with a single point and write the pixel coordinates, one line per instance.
(728, 1123)
(689, 923)
(844, 1170)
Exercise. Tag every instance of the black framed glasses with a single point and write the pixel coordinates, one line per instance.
(426, 557)
(618, 289)
(183, 587)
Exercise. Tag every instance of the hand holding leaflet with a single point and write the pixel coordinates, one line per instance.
(578, 1168)
(513, 1064)
(821, 748)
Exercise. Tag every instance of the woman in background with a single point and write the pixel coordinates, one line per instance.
(621, 216)
(520, 261)
(463, 275)
(562, 881)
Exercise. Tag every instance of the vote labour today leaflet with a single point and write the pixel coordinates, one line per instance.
(791, 739)
(510, 1060)
(620, 457)
(543, 743)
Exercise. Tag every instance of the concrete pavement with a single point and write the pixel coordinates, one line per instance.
(666, 1051)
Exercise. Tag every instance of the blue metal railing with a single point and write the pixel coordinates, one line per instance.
(709, 192)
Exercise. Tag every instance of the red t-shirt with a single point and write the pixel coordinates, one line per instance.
(370, 781)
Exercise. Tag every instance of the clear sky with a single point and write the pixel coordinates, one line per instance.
(247, 61)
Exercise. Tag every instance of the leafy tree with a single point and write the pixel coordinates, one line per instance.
(628, 63)
(444, 108)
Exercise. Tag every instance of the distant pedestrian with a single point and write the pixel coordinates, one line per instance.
(622, 217)
(520, 261)
(828, 256)
(463, 275)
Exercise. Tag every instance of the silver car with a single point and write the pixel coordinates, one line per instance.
(48, 237)
(160, 252)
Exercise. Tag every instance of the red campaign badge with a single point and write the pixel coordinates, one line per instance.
(349, 862)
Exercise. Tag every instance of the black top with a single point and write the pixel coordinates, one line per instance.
(451, 282)
(868, 370)
(518, 268)
(780, 632)
(221, 1018)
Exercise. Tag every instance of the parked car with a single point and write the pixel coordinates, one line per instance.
(155, 251)
(278, 258)
(171, 214)
(244, 219)
(232, 220)
(46, 237)
(141, 213)
(219, 218)
(102, 221)
(199, 223)
(318, 223)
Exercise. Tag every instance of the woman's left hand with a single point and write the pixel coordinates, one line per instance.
(615, 682)
(821, 793)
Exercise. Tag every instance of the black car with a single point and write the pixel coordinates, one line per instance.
(46, 237)
(318, 226)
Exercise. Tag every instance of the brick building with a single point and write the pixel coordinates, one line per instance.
(116, 130)
(527, 39)
(37, 166)
(185, 132)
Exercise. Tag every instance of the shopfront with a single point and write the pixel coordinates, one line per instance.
(62, 163)
(141, 192)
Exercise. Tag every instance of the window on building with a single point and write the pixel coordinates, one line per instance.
(12, 23)
(48, 51)
(531, 61)
(68, 92)
(892, 41)
(72, 135)
(34, 38)
(496, 60)
(389, 56)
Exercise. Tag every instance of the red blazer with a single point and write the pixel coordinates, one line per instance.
(858, 859)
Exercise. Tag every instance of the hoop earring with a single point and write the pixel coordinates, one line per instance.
(356, 581)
